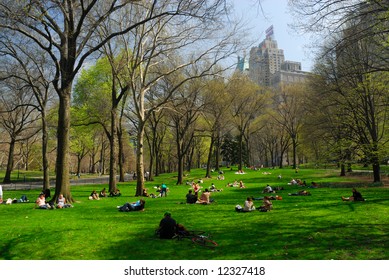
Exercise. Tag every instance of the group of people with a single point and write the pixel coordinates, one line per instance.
(239, 184)
(192, 197)
(61, 202)
(161, 191)
(249, 206)
(103, 193)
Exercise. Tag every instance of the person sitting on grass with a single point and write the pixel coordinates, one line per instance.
(115, 192)
(355, 197)
(204, 198)
(103, 193)
(167, 227)
(144, 192)
(214, 189)
(61, 202)
(190, 197)
(94, 195)
(302, 192)
(267, 205)
(41, 202)
(268, 189)
(134, 206)
(248, 205)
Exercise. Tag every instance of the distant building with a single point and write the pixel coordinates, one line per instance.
(267, 65)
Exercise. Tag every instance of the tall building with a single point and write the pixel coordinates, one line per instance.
(267, 65)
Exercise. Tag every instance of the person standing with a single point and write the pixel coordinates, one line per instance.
(167, 227)
(163, 189)
(1, 194)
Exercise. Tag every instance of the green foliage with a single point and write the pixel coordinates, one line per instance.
(230, 150)
(320, 226)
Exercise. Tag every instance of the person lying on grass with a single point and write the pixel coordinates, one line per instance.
(302, 192)
(134, 206)
(355, 197)
(277, 197)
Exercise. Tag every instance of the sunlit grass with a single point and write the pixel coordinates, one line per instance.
(320, 226)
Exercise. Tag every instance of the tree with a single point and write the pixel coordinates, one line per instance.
(16, 118)
(184, 114)
(155, 133)
(247, 102)
(328, 19)
(216, 117)
(288, 112)
(67, 31)
(159, 52)
(359, 97)
(30, 67)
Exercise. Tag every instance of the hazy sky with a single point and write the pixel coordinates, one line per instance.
(275, 13)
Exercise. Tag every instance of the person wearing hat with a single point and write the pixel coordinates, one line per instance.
(167, 227)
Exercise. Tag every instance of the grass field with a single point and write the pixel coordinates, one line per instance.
(316, 227)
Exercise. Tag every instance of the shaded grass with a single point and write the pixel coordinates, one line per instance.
(320, 226)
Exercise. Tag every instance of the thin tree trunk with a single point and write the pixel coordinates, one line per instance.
(139, 162)
(10, 162)
(62, 184)
(113, 152)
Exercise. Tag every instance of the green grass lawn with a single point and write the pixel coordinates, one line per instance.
(316, 227)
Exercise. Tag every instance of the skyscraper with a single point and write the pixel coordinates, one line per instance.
(265, 60)
(267, 65)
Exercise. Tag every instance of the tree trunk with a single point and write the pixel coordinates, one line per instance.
(121, 158)
(240, 164)
(180, 171)
(294, 147)
(45, 161)
(113, 152)
(10, 162)
(342, 169)
(217, 151)
(139, 162)
(376, 168)
(210, 153)
(62, 184)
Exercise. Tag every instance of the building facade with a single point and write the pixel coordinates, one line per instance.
(267, 65)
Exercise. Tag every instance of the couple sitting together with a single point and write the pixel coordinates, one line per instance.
(204, 198)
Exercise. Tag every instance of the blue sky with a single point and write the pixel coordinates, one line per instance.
(275, 13)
